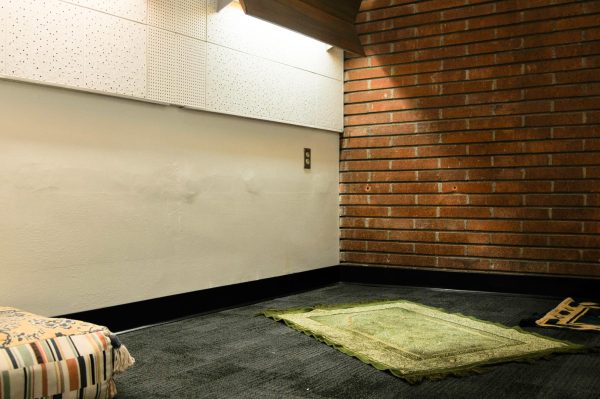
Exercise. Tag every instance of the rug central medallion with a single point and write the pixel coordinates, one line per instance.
(414, 341)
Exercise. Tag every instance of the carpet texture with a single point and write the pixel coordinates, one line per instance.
(417, 342)
(233, 354)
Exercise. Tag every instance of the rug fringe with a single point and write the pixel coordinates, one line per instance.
(477, 370)
(123, 360)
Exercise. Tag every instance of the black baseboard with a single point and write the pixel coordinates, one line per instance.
(158, 310)
(512, 283)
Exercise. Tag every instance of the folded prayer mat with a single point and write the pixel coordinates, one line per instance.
(569, 314)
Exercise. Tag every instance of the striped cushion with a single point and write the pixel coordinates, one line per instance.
(81, 364)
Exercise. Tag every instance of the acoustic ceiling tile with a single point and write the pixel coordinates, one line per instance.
(131, 9)
(246, 85)
(330, 104)
(300, 107)
(228, 87)
(43, 41)
(4, 23)
(115, 55)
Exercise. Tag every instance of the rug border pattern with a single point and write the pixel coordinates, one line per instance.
(289, 317)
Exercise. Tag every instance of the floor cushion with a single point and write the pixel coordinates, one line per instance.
(44, 357)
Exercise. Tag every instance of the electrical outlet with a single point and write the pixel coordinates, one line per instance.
(307, 159)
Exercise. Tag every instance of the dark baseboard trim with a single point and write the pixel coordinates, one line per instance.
(173, 307)
(160, 310)
(512, 283)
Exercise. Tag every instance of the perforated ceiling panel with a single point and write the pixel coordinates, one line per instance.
(176, 69)
(191, 72)
(191, 18)
(231, 28)
(187, 17)
(115, 55)
(131, 9)
(162, 14)
(162, 65)
(42, 43)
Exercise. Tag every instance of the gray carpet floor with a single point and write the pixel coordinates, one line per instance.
(233, 354)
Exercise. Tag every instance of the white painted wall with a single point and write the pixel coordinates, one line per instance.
(176, 52)
(105, 201)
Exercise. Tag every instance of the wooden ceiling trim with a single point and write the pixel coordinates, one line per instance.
(330, 21)
(343, 9)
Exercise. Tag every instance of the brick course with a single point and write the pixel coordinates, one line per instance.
(472, 136)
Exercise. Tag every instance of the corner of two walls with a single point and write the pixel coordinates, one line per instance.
(472, 137)
(107, 201)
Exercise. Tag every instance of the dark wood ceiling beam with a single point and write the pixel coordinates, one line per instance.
(343, 9)
(330, 21)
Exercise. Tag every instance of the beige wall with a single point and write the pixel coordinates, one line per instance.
(105, 201)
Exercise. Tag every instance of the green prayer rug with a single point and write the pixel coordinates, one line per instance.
(416, 342)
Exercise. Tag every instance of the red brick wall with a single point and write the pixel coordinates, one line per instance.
(472, 136)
